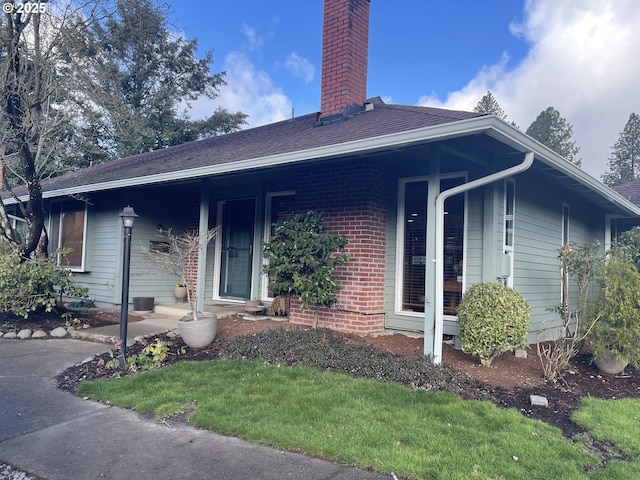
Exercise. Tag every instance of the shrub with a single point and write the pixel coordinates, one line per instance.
(629, 244)
(301, 259)
(27, 285)
(492, 318)
(618, 328)
(581, 265)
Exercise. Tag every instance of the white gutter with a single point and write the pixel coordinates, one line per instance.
(439, 238)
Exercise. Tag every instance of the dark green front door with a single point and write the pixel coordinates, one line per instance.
(238, 217)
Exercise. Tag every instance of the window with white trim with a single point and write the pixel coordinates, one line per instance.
(509, 228)
(564, 297)
(412, 238)
(278, 206)
(68, 232)
(565, 223)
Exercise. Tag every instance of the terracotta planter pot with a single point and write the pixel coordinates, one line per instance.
(198, 333)
(608, 363)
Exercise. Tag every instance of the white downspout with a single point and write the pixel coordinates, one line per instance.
(439, 234)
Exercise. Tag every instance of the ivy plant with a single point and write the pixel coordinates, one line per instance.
(301, 259)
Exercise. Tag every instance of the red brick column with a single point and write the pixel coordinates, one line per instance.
(351, 198)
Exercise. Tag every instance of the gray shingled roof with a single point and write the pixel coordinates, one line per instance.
(630, 191)
(288, 136)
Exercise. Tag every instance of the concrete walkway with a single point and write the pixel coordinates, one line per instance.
(57, 436)
(162, 319)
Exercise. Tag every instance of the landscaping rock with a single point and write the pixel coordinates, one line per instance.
(39, 334)
(25, 333)
(59, 332)
(538, 401)
(10, 335)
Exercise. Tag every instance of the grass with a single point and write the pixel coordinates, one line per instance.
(617, 422)
(314, 392)
(357, 421)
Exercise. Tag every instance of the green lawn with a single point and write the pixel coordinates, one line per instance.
(413, 433)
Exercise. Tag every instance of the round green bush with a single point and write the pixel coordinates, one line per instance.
(492, 318)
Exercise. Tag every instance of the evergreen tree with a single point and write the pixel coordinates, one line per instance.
(143, 76)
(489, 105)
(624, 162)
(552, 130)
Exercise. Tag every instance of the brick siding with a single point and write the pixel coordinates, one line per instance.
(344, 54)
(351, 198)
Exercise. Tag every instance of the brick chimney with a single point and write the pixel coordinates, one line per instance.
(345, 44)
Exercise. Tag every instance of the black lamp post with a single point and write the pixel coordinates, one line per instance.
(128, 216)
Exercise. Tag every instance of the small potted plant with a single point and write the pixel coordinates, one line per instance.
(180, 291)
(197, 329)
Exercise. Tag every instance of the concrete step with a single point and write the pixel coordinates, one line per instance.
(181, 309)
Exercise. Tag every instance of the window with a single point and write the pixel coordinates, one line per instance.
(509, 227)
(279, 205)
(621, 225)
(453, 247)
(565, 224)
(415, 247)
(21, 229)
(68, 228)
(564, 298)
(412, 237)
(509, 207)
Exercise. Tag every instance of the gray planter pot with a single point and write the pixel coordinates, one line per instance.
(198, 333)
(143, 304)
(608, 363)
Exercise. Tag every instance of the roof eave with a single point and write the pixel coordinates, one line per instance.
(366, 145)
(489, 124)
(521, 141)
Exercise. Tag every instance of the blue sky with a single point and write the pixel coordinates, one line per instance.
(579, 56)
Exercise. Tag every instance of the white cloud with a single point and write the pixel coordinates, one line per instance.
(255, 41)
(300, 67)
(248, 90)
(583, 61)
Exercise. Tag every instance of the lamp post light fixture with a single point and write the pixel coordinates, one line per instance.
(128, 216)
